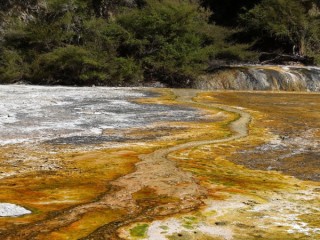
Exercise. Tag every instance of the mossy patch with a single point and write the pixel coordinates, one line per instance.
(139, 231)
(164, 228)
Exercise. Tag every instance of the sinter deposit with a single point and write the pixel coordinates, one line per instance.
(12, 210)
(76, 115)
(285, 78)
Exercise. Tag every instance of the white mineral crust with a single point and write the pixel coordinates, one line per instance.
(12, 210)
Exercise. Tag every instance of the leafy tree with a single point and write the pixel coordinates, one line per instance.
(286, 20)
(166, 37)
(76, 42)
(68, 45)
(106, 8)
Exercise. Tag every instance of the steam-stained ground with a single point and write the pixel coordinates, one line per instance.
(176, 164)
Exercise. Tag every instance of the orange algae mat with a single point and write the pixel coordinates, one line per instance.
(181, 180)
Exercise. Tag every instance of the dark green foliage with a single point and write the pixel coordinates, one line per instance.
(12, 66)
(68, 65)
(174, 42)
(67, 45)
(128, 42)
(74, 65)
(7, 5)
(77, 43)
(166, 37)
(272, 25)
(288, 21)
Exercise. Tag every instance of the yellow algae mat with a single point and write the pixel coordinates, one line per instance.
(249, 169)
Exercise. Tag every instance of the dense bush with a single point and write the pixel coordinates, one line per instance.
(289, 21)
(170, 41)
(68, 65)
(120, 43)
(74, 65)
(166, 37)
(12, 66)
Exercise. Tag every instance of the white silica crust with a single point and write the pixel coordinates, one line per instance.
(31, 113)
(12, 210)
(41, 113)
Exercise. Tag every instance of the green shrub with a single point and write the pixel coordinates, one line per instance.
(70, 65)
(166, 37)
(12, 66)
(288, 21)
(74, 43)
(74, 65)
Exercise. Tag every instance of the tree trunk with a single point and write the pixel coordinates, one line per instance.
(302, 47)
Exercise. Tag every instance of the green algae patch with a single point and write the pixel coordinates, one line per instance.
(189, 222)
(139, 231)
(164, 228)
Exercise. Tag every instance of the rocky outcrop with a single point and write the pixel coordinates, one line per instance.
(8, 5)
(259, 77)
(23, 10)
(28, 9)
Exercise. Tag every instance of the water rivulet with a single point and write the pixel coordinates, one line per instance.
(284, 78)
